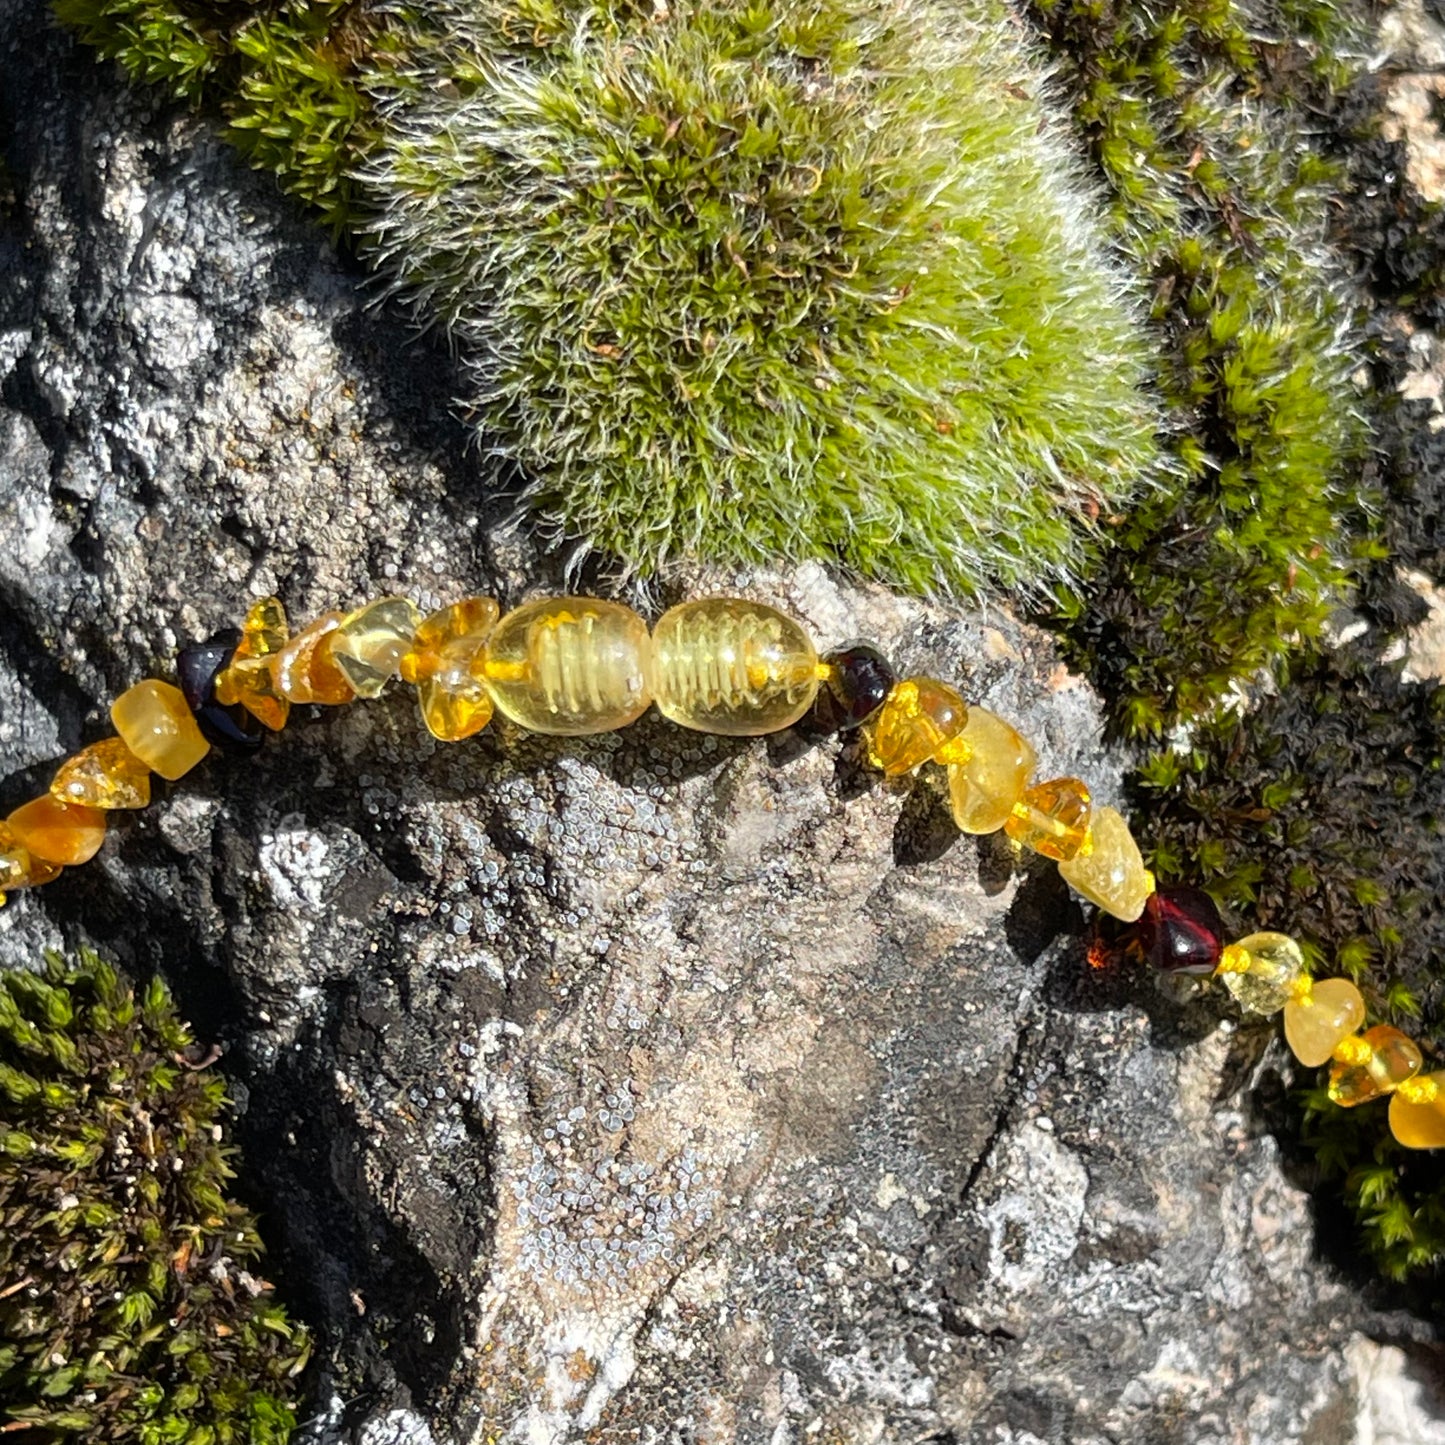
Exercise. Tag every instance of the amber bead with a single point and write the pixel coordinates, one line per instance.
(1052, 818)
(441, 663)
(1179, 931)
(370, 643)
(1109, 871)
(856, 683)
(569, 666)
(989, 765)
(247, 679)
(1372, 1063)
(728, 665)
(1263, 971)
(157, 726)
(1319, 1015)
(230, 728)
(61, 833)
(104, 775)
(304, 670)
(920, 717)
(1417, 1112)
(19, 868)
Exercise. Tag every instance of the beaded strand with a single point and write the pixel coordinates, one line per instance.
(572, 666)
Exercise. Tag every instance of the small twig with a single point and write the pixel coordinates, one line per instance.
(11, 1289)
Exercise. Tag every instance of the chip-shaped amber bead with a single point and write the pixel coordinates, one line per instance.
(1052, 818)
(569, 666)
(20, 868)
(104, 775)
(1417, 1112)
(61, 833)
(919, 718)
(1319, 1014)
(247, 679)
(304, 670)
(1263, 971)
(989, 765)
(157, 725)
(1372, 1063)
(1109, 870)
(369, 644)
(731, 666)
(444, 653)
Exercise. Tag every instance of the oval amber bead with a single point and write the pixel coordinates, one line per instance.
(569, 666)
(1372, 1063)
(61, 833)
(1316, 1018)
(1110, 871)
(919, 718)
(1052, 818)
(989, 766)
(727, 665)
(155, 722)
(369, 644)
(1263, 971)
(1417, 1112)
(104, 775)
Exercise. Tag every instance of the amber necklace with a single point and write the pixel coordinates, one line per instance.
(571, 666)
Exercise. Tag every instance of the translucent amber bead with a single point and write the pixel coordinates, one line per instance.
(1318, 1016)
(1180, 931)
(1417, 1112)
(304, 670)
(1262, 971)
(19, 868)
(856, 683)
(989, 766)
(569, 666)
(1052, 818)
(247, 680)
(441, 663)
(1109, 871)
(60, 833)
(1372, 1063)
(369, 644)
(727, 665)
(104, 775)
(920, 716)
(156, 725)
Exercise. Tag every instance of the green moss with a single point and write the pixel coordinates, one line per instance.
(128, 1313)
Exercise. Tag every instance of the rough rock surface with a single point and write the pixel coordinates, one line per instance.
(648, 1087)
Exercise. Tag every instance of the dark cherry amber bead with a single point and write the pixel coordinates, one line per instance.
(856, 685)
(232, 729)
(1180, 931)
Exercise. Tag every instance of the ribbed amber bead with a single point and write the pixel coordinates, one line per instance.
(1372, 1063)
(441, 661)
(1263, 971)
(248, 680)
(569, 666)
(1417, 1112)
(1319, 1014)
(727, 665)
(156, 724)
(104, 775)
(989, 765)
(61, 833)
(1109, 871)
(1052, 818)
(19, 868)
(920, 717)
(370, 643)
(304, 670)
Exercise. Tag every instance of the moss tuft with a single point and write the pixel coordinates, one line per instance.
(127, 1313)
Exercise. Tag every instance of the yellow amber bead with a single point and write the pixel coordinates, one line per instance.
(304, 670)
(441, 663)
(369, 644)
(104, 775)
(1319, 1016)
(19, 867)
(1262, 971)
(1052, 818)
(727, 665)
(155, 723)
(989, 766)
(920, 717)
(60, 833)
(1417, 1112)
(1109, 871)
(1372, 1063)
(569, 666)
(247, 678)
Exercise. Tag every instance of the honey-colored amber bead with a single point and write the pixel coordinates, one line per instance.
(1372, 1063)
(369, 644)
(1052, 818)
(569, 666)
(157, 725)
(1417, 1112)
(989, 765)
(61, 833)
(1262, 971)
(104, 775)
(1318, 1016)
(247, 679)
(1109, 870)
(19, 867)
(727, 665)
(305, 671)
(441, 662)
(921, 716)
